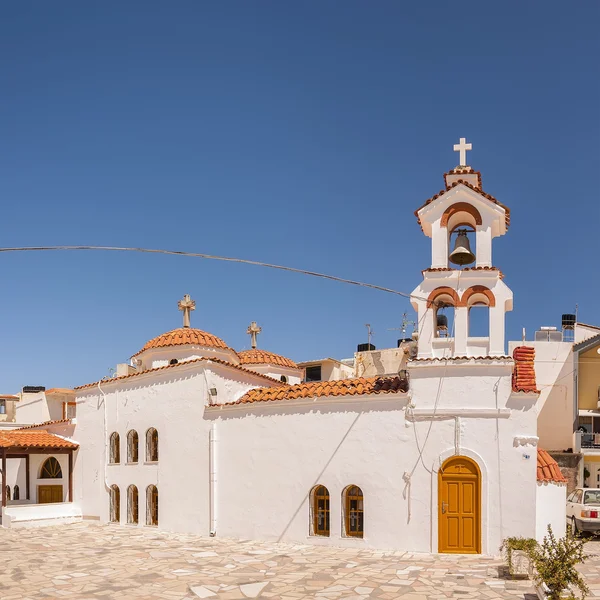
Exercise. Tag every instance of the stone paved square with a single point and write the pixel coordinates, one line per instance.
(91, 561)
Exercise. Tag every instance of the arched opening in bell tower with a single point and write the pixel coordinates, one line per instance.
(461, 221)
(478, 301)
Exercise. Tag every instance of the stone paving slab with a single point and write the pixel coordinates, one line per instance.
(89, 561)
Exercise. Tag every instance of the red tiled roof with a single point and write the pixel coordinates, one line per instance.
(34, 439)
(319, 389)
(472, 187)
(184, 336)
(262, 357)
(44, 424)
(8, 397)
(462, 170)
(523, 379)
(180, 364)
(548, 469)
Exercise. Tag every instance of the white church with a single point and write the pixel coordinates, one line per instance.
(430, 448)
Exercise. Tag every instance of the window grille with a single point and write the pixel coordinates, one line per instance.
(151, 505)
(115, 504)
(114, 456)
(132, 446)
(51, 469)
(132, 504)
(320, 511)
(354, 511)
(152, 445)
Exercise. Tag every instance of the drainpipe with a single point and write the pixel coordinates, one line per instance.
(212, 452)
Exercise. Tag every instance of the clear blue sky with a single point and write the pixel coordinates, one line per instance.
(304, 134)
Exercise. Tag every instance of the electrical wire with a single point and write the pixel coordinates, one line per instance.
(215, 257)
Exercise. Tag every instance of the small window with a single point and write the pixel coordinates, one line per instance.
(173, 361)
(114, 455)
(151, 505)
(51, 469)
(132, 504)
(313, 373)
(8, 492)
(152, 445)
(132, 446)
(354, 511)
(69, 410)
(2, 407)
(115, 504)
(16, 493)
(284, 378)
(320, 510)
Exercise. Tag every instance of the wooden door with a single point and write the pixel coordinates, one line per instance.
(50, 493)
(459, 506)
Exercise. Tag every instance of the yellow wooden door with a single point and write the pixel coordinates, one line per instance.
(50, 493)
(459, 506)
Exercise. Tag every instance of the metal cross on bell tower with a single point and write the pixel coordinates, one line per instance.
(186, 305)
(253, 330)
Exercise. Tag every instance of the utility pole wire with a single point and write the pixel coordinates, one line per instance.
(212, 257)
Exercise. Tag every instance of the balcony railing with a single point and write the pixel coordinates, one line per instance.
(585, 440)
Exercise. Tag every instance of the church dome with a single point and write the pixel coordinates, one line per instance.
(185, 336)
(262, 357)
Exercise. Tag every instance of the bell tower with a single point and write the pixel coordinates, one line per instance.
(460, 277)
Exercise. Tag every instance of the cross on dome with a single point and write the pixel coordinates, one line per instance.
(462, 148)
(186, 305)
(253, 330)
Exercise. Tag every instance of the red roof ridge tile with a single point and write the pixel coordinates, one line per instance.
(180, 364)
(34, 425)
(314, 389)
(503, 357)
(548, 469)
(523, 378)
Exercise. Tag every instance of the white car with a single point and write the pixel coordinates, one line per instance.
(583, 510)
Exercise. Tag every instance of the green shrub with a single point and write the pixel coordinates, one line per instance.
(555, 563)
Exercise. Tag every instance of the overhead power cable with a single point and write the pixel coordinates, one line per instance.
(213, 257)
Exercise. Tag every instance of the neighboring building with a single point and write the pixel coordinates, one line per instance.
(429, 447)
(7, 407)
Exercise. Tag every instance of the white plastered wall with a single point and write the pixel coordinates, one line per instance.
(551, 499)
(555, 380)
(280, 451)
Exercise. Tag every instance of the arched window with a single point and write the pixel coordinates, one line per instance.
(8, 492)
(353, 511)
(132, 504)
(114, 455)
(115, 504)
(443, 301)
(152, 445)
(16, 493)
(320, 510)
(132, 446)
(151, 505)
(478, 299)
(284, 378)
(51, 469)
(173, 361)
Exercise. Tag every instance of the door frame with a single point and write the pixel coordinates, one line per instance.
(483, 498)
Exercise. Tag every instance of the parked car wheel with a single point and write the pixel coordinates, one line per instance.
(574, 528)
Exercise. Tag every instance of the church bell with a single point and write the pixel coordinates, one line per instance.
(462, 255)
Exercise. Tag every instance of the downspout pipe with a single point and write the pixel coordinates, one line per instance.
(212, 451)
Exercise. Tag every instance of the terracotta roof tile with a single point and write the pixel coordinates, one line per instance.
(180, 364)
(548, 469)
(184, 336)
(460, 170)
(435, 269)
(44, 424)
(34, 439)
(8, 397)
(472, 187)
(319, 389)
(459, 358)
(523, 379)
(262, 357)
